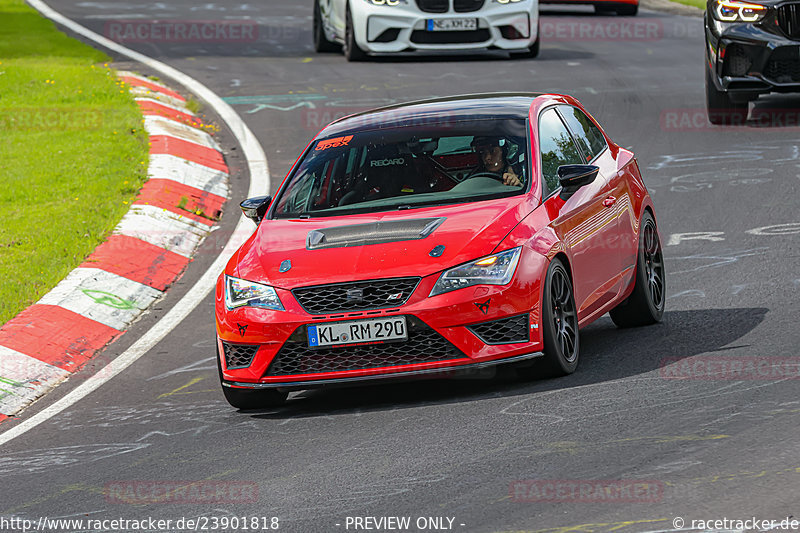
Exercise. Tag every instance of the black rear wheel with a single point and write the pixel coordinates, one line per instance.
(645, 305)
(723, 111)
(623, 10)
(250, 398)
(321, 43)
(627, 10)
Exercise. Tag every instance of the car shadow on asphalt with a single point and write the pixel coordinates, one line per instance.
(607, 354)
(775, 111)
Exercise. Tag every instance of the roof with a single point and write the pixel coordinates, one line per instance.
(435, 110)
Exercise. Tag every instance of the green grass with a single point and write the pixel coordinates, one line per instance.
(73, 154)
(694, 3)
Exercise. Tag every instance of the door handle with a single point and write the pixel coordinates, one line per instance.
(608, 202)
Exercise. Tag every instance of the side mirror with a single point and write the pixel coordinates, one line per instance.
(573, 177)
(255, 208)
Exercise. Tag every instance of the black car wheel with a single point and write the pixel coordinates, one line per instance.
(351, 50)
(723, 111)
(627, 10)
(645, 305)
(250, 398)
(532, 51)
(559, 322)
(321, 43)
(623, 10)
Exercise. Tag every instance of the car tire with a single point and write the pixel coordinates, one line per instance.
(722, 111)
(627, 10)
(623, 10)
(559, 323)
(532, 51)
(645, 305)
(351, 50)
(321, 43)
(250, 398)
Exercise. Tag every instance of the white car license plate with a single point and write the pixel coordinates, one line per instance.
(357, 331)
(452, 24)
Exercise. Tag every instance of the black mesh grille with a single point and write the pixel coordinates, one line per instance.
(449, 37)
(388, 35)
(434, 6)
(503, 331)
(737, 61)
(783, 66)
(355, 296)
(789, 19)
(467, 6)
(239, 355)
(423, 345)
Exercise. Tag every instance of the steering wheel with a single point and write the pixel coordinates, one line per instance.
(486, 174)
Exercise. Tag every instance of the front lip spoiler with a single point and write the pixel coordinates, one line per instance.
(446, 371)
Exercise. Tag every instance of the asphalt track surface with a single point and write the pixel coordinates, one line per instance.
(715, 448)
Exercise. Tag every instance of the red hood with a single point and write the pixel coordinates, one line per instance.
(469, 232)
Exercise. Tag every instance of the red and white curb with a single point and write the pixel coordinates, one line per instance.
(150, 247)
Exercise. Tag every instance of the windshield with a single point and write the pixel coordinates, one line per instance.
(408, 167)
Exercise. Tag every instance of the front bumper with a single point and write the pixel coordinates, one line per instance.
(444, 335)
(749, 59)
(385, 29)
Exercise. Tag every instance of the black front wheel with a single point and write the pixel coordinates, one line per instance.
(351, 50)
(722, 111)
(321, 42)
(645, 305)
(559, 322)
(531, 52)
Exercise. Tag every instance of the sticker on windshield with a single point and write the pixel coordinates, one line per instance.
(333, 143)
(387, 162)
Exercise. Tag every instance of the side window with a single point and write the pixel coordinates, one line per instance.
(587, 135)
(557, 148)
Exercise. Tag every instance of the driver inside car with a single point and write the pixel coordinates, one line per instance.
(492, 153)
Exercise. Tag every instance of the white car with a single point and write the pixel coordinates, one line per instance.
(363, 27)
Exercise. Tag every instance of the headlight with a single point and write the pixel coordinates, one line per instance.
(240, 293)
(736, 11)
(496, 269)
(386, 2)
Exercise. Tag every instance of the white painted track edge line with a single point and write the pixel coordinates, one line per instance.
(259, 184)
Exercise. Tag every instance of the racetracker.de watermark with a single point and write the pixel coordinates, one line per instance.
(696, 119)
(203, 492)
(181, 31)
(50, 119)
(730, 368)
(587, 490)
(554, 29)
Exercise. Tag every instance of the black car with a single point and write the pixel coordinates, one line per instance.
(752, 48)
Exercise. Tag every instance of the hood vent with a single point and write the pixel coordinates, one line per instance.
(372, 233)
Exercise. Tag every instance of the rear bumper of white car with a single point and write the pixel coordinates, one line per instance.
(386, 29)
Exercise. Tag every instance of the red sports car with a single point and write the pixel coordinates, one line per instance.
(434, 236)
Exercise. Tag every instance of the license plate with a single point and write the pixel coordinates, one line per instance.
(357, 331)
(452, 24)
